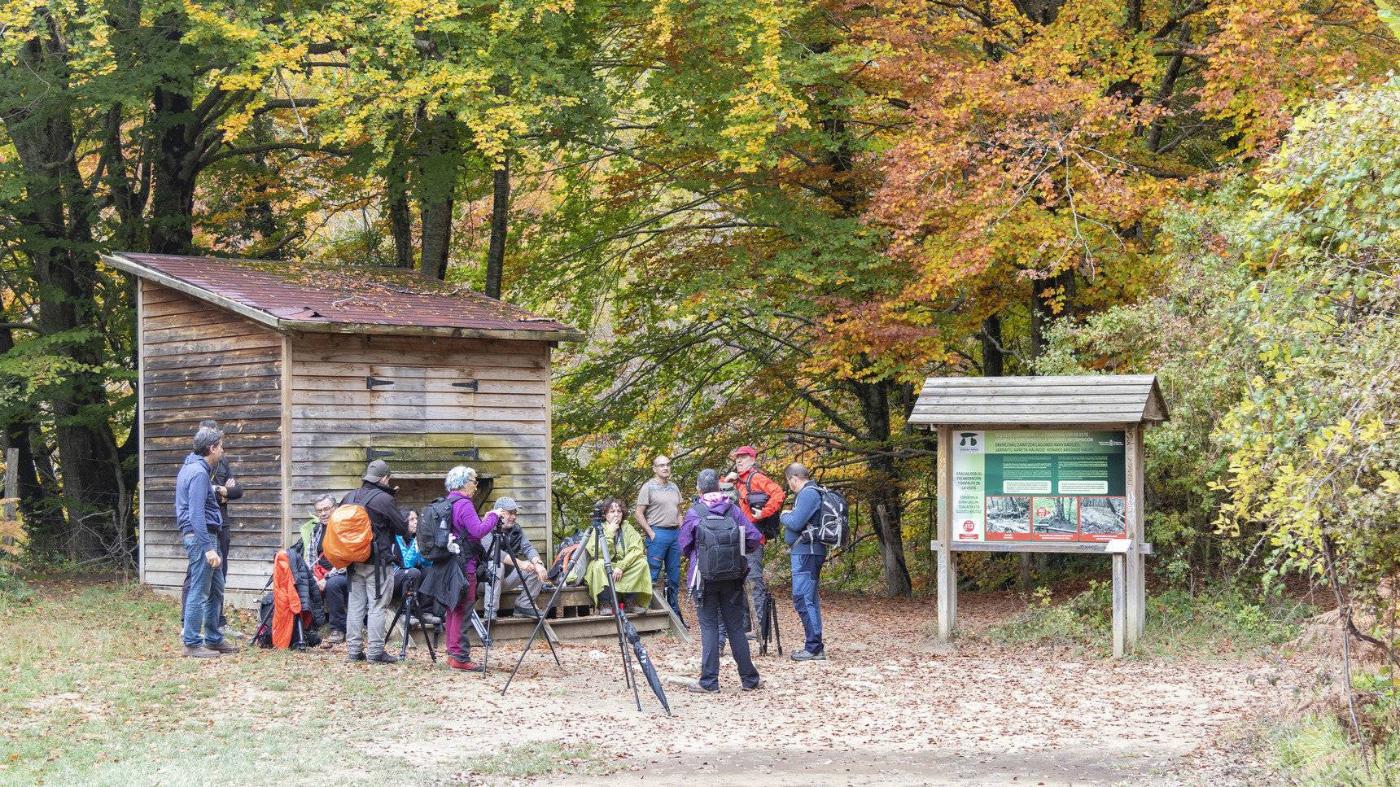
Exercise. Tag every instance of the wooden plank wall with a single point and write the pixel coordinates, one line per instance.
(424, 410)
(199, 362)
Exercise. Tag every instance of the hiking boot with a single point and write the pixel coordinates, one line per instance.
(754, 687)
(383, 658)
(223, 646)
(200, 652)
(336, 637)
(695, 688)
(465, 666)
(606, 612)
(806, 655)
(355, 657)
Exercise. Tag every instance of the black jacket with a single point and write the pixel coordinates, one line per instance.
(515, 543)
(311, 599)
(385, 518)
(220, 476)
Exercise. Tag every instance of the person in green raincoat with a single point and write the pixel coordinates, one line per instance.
(631, 574)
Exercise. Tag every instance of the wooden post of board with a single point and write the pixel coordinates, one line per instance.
(1137, 588)
(947, 569)
(1120, 603)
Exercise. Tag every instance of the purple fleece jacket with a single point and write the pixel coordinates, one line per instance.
(466, 525)
(718, 504)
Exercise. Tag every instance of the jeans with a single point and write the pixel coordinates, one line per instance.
(758, 589)
(205, 600)
(806, 576)
(223, 544)
(722, 603)
(337, 596)
(664, 551)
(369, 597)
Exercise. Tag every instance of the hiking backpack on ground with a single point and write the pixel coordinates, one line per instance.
(719, 542)
(435, 530)
(349, 537)
(831, 523)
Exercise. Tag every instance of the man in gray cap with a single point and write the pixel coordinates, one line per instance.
(372, 583)
(520, 561)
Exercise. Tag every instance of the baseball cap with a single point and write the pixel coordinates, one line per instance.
(507, 504)
(744, 450)
(376, 470)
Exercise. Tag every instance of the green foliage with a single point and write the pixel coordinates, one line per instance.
(1318, 750)
(1221, 620)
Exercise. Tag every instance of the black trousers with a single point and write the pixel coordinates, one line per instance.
(223, 543)
(722, 604)
(336, 597)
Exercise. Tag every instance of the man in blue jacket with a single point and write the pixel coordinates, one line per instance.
(197, 514)
(808, 554)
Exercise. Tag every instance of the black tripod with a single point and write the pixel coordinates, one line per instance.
(601, 545)
(495, 579)
(409, 610)
(768, 629)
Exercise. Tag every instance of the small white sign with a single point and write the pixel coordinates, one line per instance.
(1119, 546)
(1083, 487)
(1024, 487)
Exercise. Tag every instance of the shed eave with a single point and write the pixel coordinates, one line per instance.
(141, 271)
(394, 329)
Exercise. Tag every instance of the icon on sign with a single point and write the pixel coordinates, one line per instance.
(968, 526)
(969, 440)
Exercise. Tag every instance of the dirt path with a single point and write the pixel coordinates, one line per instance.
(889, 708)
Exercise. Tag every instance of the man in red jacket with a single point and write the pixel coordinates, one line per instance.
(762, 498)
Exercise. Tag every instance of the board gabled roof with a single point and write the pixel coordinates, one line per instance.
(289, 296)
(1028, 401)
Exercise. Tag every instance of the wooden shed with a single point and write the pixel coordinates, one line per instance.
(314, 372)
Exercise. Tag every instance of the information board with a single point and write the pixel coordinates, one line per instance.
(1039, 485)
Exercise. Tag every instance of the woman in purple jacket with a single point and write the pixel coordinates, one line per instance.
(718, 600)
(468, 529)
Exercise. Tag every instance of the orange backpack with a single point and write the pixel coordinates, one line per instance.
(349, 538)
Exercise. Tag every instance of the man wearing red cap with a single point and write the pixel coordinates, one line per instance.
(763, 498)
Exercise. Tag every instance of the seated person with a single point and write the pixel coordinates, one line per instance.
(408, 568)
(631, 573)
(332, 589)
(520, 561)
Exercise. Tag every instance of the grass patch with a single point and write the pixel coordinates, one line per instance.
(541, 758)
(1318, 750)
(1220, 622)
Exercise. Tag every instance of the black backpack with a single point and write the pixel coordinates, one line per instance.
(719, 546)
(435, 530)
(768, 525)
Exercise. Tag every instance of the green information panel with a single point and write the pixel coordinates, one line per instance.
(1039, 485)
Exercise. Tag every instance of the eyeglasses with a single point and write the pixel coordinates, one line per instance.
(661, 464)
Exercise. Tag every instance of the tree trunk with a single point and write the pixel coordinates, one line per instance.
(57, 212)
(886, 485)
(177, 155)
(400, 216)
(993, 352)
(435, 185)
(500, 219)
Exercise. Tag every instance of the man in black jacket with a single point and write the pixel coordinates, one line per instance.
(225, 488)
(372, 583)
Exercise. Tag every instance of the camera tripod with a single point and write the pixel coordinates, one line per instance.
(601, 545)
(409, 610)
(495, 581)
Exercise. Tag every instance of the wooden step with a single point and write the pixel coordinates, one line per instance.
(589, 627)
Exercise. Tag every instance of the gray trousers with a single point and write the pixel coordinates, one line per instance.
(362, 600)
(758, 589)
(512, 581)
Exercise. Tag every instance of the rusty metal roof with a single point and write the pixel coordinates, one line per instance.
(290, 296)
(1029, 401)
